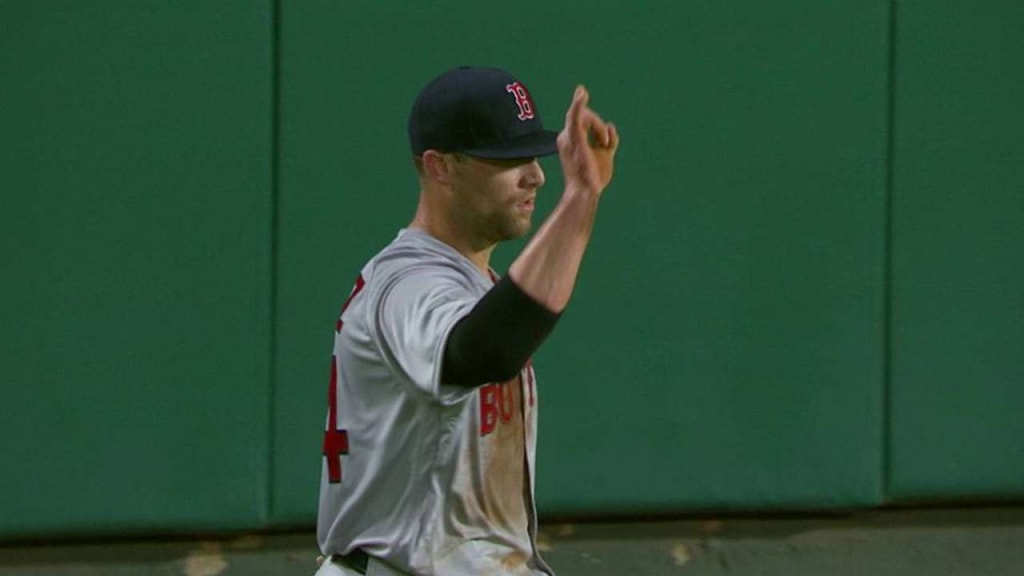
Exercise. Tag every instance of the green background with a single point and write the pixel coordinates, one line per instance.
(804, 290)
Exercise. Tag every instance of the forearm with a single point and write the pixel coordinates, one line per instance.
(495, 340)
(546, 269)
(503, 330)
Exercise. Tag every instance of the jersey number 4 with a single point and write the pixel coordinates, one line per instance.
(336, 441)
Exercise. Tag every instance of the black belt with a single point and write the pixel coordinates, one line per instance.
(356, 560)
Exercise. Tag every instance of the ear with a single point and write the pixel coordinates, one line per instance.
(438, 166)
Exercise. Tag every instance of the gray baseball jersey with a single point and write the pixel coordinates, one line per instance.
(431, 478)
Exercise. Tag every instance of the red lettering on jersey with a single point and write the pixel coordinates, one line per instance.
(497, 404)
(336, 441)
(522, 100)
(488, 408)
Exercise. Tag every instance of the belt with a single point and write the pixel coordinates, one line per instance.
(356, 560)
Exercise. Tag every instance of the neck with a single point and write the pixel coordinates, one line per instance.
(478, 253)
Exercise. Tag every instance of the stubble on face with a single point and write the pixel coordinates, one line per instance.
(489, 225)
(487, 203)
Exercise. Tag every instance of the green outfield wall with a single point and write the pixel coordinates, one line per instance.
(805, 288)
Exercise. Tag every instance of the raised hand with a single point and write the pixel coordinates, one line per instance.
(586, 146)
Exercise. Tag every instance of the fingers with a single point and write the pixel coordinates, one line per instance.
(597, 127)
(574, 125)
(613, 137)
(581, 122)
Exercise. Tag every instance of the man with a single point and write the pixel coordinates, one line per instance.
(431, 426)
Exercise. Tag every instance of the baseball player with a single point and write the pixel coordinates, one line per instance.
(432, 420)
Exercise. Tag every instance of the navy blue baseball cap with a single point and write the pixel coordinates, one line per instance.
(482, 112)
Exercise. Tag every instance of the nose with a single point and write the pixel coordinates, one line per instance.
(533, 175)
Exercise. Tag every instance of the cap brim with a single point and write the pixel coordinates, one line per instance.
(533, 145)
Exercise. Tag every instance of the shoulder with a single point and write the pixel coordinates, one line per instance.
(416, 254)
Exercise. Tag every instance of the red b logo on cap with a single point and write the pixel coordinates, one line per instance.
(522, 100)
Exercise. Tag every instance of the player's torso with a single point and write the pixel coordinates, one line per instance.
(437, 484)
(489, 524)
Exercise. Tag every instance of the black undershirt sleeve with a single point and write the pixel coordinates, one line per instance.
(493, 342)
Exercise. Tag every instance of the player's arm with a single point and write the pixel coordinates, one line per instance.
(546, 269)
(494, 341)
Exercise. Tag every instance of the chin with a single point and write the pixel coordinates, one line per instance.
(514, 232)
(523, 229)
(512, 227)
